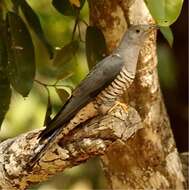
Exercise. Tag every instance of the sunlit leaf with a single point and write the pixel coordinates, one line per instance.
(21, 60)
(5, 91)
(70, 72)
(34, 23)
(167, 33)
(67, 7)
(165, 12)
(95, 45)
(61, 62)
(65, 54)
(48, 112)
(63, 94)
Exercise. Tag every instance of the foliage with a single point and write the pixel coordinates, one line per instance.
(165, 13)
(34, 23)
(4, 82)
(21, 65)
(167, 33)
(94, 41)
(68, 8)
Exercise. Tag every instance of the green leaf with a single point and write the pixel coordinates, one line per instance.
(34, 23)
(167, 33)
(5, 91)
(65, 54)
(21, 60)
(165, 12)
(66, 8)
(48, 112)
(61, 62)
(95, 45)
(5, 97)
(63, 94)
(167, 67)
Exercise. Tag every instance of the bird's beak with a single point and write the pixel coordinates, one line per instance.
(150, 28)
(153, 27)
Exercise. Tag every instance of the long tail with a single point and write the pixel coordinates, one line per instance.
(42, 147)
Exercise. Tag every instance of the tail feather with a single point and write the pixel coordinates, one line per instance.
(43, 146)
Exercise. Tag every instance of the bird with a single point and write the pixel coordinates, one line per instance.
(107, 81)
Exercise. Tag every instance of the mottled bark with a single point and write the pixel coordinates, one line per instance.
(83, 143)
(149, 160)
(185, 167)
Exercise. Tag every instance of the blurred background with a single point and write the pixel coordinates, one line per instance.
(173, 73)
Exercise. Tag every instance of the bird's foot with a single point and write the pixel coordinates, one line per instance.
(117, 103)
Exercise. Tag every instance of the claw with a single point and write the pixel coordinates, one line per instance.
(117, 103)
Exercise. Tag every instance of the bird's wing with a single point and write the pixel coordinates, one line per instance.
(99, 77)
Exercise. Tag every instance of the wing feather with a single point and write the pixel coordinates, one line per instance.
(99, 77)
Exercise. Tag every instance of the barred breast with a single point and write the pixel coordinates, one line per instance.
(116, 89)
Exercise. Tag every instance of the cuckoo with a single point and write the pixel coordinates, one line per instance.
(102, 88)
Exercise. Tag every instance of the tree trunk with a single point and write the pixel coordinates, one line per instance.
(150, 159)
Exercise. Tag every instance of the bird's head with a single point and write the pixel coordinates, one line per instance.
(131, 44)
(138, 33)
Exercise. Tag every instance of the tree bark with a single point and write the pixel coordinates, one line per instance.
(137, 147)
(77, 147)
(150, 159)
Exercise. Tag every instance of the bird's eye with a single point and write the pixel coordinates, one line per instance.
(137, 31)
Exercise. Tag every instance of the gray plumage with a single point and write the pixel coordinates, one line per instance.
(95, 81)
(124, 57)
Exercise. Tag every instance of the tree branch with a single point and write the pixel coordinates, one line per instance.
(92, 139)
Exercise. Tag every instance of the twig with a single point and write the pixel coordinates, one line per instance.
(51, 85)
(75, 26)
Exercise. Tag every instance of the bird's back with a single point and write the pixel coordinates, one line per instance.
(99, 77)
